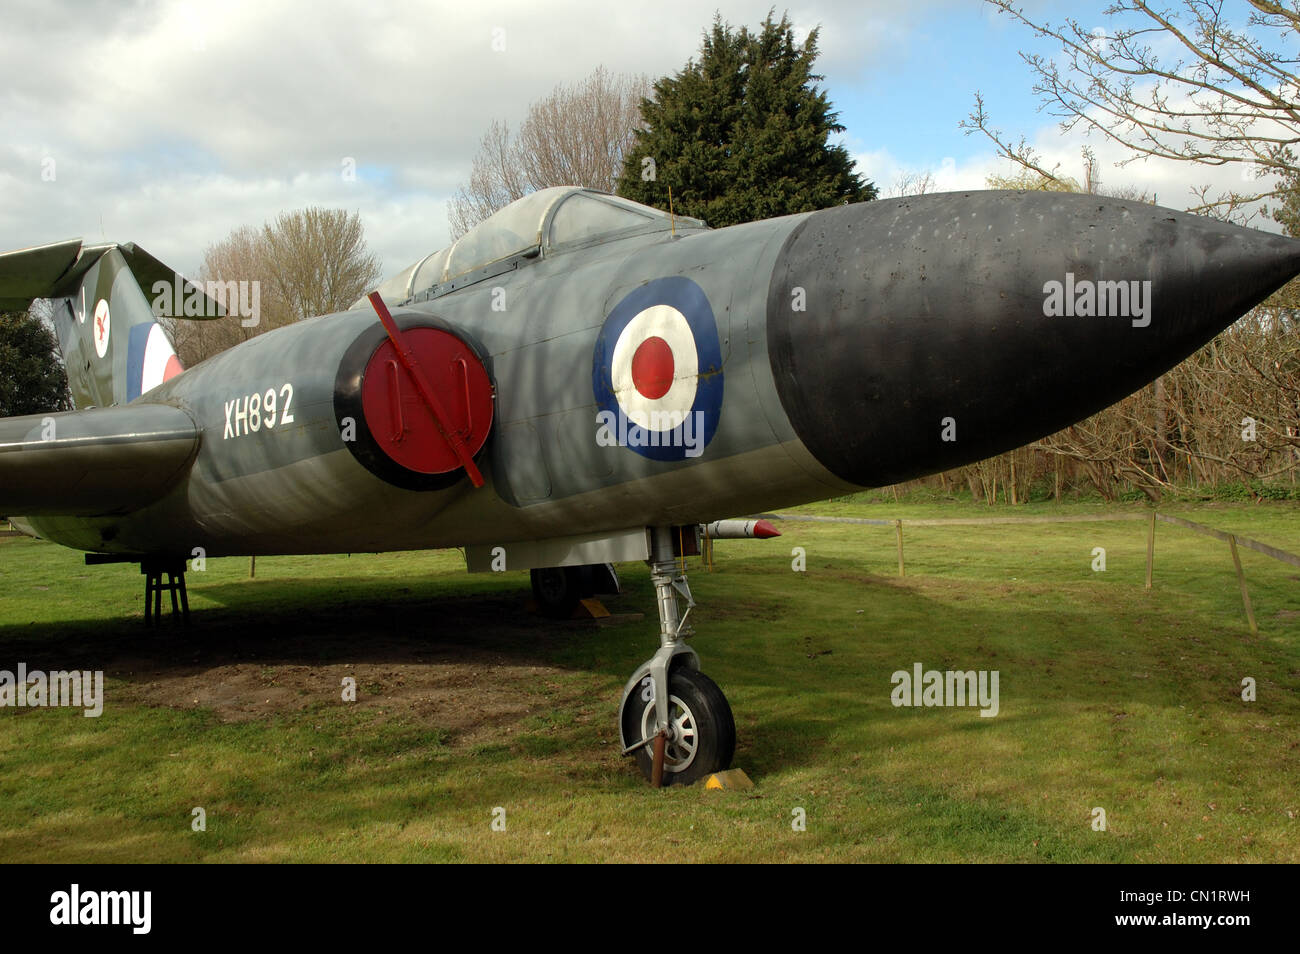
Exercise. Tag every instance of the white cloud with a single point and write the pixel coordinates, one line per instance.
(171, 123)
(887, 171)
(1165, 182)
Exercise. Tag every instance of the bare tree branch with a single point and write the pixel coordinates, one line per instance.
(1190, 85)
(575, 136)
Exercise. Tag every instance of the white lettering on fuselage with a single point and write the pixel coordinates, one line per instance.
(253, 412)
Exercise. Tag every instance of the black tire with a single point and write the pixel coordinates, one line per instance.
(557, 590)
(695, 701)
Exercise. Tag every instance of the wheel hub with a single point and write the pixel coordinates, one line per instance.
(551, 583)
(682, 736)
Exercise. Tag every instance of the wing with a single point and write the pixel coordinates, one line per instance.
(93, 462)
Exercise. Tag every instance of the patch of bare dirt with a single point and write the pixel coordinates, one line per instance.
(463, 665)
(462, 694)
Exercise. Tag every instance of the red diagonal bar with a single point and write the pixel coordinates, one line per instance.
(407, 357)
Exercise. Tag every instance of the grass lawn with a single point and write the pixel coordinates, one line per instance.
(1111, 697)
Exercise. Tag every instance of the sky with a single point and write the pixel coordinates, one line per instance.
(172, 123)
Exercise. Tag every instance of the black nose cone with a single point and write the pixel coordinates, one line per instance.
(908, 336)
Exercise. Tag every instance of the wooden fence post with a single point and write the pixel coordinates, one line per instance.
(1241, 578)
(1151, 547)
(898, 530)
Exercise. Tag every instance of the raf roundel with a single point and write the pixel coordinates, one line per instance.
(657, 370)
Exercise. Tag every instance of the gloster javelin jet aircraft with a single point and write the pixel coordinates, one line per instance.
(581, 380)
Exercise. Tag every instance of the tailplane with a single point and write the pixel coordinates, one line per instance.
(113, 347)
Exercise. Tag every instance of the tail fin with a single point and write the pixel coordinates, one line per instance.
(113, 348)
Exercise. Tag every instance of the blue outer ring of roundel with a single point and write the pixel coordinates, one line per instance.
(689, 299)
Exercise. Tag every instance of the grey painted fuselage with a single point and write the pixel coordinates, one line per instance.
(294, 487)
(847, 338)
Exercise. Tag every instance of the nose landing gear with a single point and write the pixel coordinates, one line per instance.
(672, 713)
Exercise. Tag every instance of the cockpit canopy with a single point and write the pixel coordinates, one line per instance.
(542, 223)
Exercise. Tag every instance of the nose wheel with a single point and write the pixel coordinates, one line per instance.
(674, 720)
(701, 732)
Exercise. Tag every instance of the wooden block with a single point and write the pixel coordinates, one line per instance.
(732, 780)
(593, 608)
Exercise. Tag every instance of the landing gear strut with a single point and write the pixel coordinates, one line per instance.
(674, 719)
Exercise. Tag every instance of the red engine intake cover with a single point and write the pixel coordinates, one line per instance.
(402, 425)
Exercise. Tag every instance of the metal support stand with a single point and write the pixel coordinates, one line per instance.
(154, 588)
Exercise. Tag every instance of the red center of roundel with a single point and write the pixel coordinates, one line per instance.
(652, 368)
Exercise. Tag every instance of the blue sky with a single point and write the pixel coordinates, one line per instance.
(911, 98)
(171, 122)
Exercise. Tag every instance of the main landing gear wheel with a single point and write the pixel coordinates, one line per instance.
(556, 589)
(701, 730)
(559, 589)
